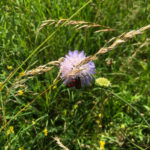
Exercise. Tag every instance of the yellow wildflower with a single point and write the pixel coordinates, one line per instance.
(123, 126)
(75, 107)
(97, 121)
(99, 115)
(21, 74)
(9, 67)
(20, 92)
(54, 87)
(11, 128)
(99, 125)
(45, 131)
(102, 144)
(33, 122)
(21, 148)
(103, 82)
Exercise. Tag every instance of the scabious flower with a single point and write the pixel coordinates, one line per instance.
(103, 82)
(71, 70)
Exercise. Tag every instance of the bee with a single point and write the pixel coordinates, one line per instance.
(75, 83)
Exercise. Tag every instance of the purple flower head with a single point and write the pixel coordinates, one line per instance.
(71, 70)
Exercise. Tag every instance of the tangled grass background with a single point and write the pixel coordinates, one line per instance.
(38, 111)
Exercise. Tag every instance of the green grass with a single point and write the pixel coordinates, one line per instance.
(73, 115)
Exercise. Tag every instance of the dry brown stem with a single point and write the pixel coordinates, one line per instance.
(77, 24)
(60, 143)
(43, 68)
(120, 39)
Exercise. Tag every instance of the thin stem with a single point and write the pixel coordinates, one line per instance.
(131, 141)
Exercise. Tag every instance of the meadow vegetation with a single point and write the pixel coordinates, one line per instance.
(38, 112)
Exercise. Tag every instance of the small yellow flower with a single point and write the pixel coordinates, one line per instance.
(9, 67)
(123, 126)
(11, 128)
(100, 115)
(20, 92)
(21, 148)
(45, 131)
(102, 144)
(75, 107)
(99, 125)
(21, 74)
(54, 87)
(103, 82)
(33, 122)
(98, 121)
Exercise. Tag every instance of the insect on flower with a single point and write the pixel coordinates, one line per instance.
(75, 83)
